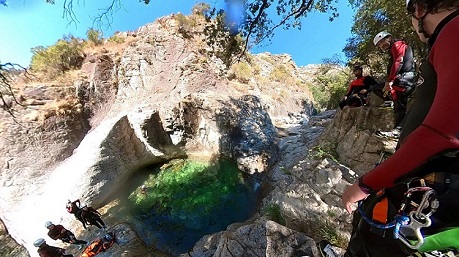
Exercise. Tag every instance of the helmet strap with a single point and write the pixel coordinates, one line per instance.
(421, 20)
(421, 26)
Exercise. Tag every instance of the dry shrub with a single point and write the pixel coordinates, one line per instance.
(242, 71)
(322, 228)
(68, 106)
(281, 74)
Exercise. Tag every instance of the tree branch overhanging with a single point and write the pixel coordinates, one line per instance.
(5, 86)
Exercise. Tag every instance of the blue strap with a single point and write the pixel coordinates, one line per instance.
(397, 222)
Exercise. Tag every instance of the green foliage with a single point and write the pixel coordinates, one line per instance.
(186, 24)
(116, 39)
(94, 36)
(321, 152)
(273, 211)
(188, 187)
(327, 230)
(329, 86)
(261, 25)
(184, 21)
(280, 74)
(260, 18)
(371, 18)
(66, 54)
(225, 45)
(332, 214)
(242, 71)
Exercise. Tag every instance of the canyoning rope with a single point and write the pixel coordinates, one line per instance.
(397, 222)
(411, 223)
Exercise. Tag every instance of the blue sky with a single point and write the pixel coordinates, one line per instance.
(29, 23)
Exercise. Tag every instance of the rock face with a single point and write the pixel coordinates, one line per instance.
(163, 98)
(8, 246)
(250, 135)
(261, 238)
(351, 136)
(128, 244)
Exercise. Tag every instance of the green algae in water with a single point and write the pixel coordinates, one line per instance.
(188, 199)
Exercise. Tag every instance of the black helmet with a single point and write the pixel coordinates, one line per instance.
(357, 67)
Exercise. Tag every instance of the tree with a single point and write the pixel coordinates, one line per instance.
(330, 84)
(66, 54)
(372, 17)
(94, 36)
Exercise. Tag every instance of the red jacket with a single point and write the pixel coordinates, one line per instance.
(358, 84)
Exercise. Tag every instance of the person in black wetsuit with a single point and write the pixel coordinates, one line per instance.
(75, 209)
(357, 93)
(86, 215)
(59, 232)
(45, 250)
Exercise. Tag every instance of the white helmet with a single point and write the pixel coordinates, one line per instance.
(39, 242)
(48, 224)
(381, 35)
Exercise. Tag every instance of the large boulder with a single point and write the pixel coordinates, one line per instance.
(249, 134)
(351, 136)
(261, 238)
(8, 246)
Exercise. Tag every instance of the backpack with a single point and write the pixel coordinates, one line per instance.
(99, 245)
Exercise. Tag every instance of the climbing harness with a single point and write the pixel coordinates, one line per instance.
(411, 216)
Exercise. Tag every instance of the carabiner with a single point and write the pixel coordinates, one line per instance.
(415, 225)
(417, 219)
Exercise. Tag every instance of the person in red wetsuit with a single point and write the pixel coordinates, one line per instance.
(358, 89)
(400, 75)
(428, 148)
(99, 245)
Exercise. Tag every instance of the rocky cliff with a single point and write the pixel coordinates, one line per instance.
(164, 95)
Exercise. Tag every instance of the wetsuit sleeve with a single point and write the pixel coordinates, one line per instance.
(398, 52)
(439, 130)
